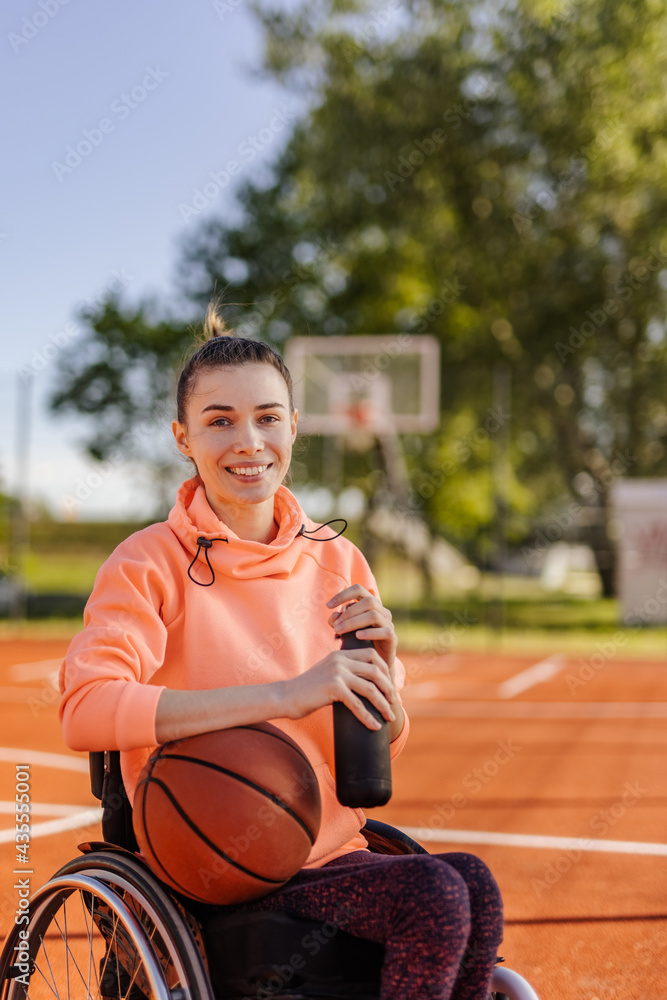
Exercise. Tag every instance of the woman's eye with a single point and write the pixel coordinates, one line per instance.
(223, 422)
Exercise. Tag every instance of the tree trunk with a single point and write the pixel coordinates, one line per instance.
(596, 535)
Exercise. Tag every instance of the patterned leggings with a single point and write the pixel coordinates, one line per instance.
(439, 917)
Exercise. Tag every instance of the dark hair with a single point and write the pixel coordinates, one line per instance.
(221, 348)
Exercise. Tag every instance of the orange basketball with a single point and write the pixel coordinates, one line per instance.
(227, 816)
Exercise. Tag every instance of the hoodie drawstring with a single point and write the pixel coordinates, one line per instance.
(205, 544)
(311, 534)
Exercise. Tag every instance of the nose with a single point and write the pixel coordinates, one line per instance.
(249, 439)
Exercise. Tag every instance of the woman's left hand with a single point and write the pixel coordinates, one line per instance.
(368, 618)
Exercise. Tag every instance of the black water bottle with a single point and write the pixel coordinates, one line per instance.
(363, 767)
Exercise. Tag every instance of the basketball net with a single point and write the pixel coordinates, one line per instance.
(363, 419)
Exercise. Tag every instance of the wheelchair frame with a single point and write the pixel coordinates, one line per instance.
(105, 928)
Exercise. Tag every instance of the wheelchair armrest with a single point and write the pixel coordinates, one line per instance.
(385, 839)
(96, 764)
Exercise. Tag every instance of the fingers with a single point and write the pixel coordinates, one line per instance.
(352, 593)
(359, 709)
(370, 678)
(346, 676)
(368, 611)
(369, 619)
(352, 697)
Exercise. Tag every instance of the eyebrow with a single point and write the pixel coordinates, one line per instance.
(231, 409)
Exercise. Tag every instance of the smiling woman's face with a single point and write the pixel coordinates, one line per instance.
(239, 432)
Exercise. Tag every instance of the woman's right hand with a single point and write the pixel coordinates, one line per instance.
(343, 675)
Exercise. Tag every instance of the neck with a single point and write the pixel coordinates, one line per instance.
(253, 522)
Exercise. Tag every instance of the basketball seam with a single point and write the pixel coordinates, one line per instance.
(277, 735)
(244, 781)
(283, 737)
(149, 843)
(200, 833)
(146, 781)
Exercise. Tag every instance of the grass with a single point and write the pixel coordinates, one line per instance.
(57, 572)
(510, 614)
(416, 636)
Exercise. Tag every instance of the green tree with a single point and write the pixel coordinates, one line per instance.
(494, 175)
(121, 375)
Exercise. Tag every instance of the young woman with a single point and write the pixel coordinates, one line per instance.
(230, 613)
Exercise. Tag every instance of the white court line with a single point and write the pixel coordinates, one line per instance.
(34, 671)
(425, 689)
(87, 817)
(429, 835)
(528, 678)
(63, 761)
(539, 710)
(40, 809)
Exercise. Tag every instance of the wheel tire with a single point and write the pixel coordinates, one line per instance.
(103, 928)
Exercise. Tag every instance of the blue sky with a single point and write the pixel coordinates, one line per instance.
(113, 114)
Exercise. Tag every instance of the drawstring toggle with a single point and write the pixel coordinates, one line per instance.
(205, 544)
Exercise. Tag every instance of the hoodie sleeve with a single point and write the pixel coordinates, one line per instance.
(361, 573)
(108, 700)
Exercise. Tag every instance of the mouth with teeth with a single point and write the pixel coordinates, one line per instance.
(248, 471)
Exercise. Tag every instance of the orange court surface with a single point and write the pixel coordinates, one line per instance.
(553, 774)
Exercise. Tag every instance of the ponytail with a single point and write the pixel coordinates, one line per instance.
(218, 347)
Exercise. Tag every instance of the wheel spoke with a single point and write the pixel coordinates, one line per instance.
(66, 946)
(53, 989)
(138, 947)
(70, 953)
(85, 913)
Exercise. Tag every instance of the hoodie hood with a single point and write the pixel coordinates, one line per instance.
(192, 519)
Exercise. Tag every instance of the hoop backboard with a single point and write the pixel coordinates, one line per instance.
(381, 383)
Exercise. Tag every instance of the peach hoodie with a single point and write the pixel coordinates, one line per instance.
(148, 626)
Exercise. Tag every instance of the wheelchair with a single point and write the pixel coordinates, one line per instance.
(105, 928)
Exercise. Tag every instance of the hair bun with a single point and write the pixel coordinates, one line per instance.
(214, 324)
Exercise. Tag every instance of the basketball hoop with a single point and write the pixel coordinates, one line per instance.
(361, 419)
(370, 385)
(361, 414)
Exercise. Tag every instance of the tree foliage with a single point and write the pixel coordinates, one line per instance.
(491, 174)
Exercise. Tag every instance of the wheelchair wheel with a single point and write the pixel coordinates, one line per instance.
(509, 985)
(103, 928)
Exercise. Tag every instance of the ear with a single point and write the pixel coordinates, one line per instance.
(295, 419)
(180, 434)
